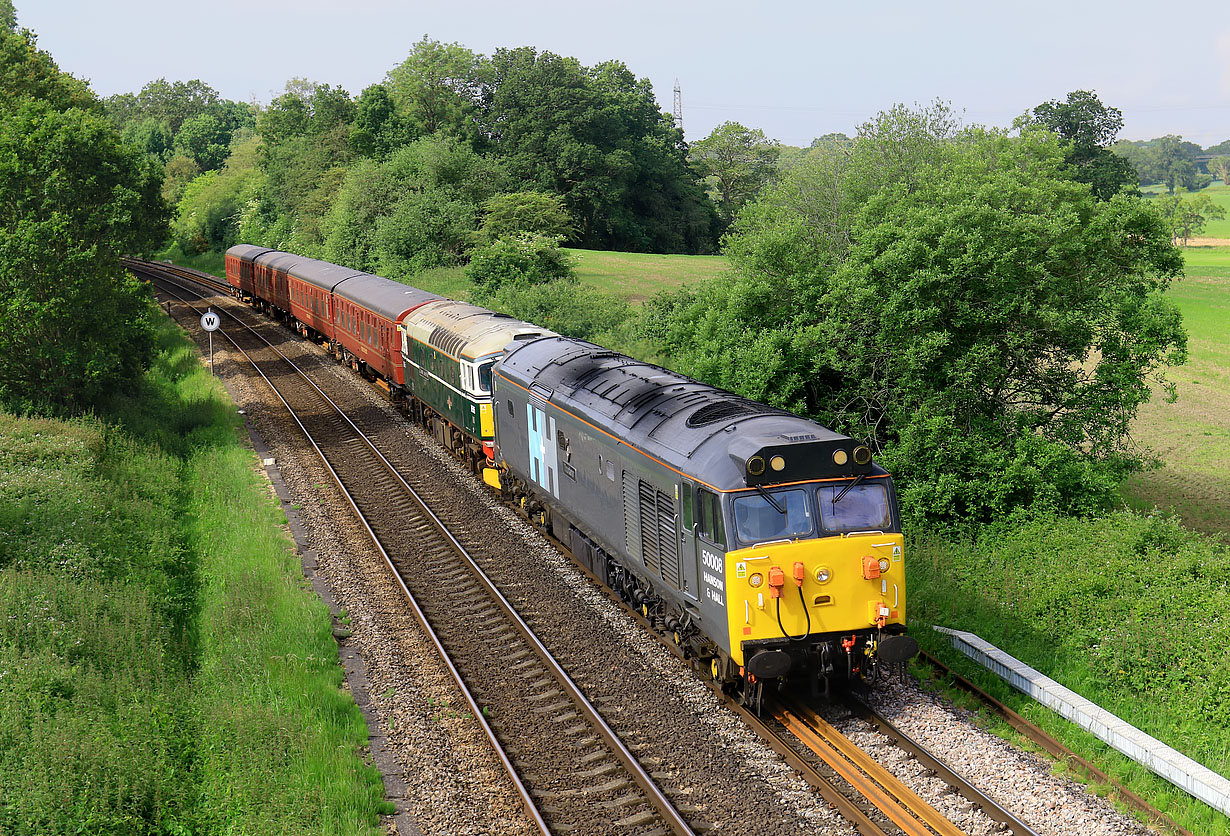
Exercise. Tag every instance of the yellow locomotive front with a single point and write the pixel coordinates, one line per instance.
(815, 575)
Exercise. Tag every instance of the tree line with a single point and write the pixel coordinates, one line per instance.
(984, 307)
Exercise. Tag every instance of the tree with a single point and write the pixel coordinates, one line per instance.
(1220, 167)
(8, 16)
(517, 213)
(205, 140)
(377, 128)
(596, 137)
(1090, 127)
(74, 325)
(437, 87)
(1186, 217)
(736, 163)
(952, 297)
(417, 209)
(1168, 160)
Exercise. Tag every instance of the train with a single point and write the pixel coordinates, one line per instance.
(767, 547)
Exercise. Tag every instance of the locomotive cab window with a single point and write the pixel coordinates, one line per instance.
(484, 376)
(780, 515)
(860, 508)
(709, 517)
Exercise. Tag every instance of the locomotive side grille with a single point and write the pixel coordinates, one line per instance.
(649, 528)
(632, 515)
(668, 540)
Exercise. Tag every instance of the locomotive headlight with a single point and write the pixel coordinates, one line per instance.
(840, 457)
(883, 564)
(823, 574)
(862, 455)
(755, 465)
(755, 579)
(777, 463)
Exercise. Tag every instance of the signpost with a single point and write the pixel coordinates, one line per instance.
(210, 322)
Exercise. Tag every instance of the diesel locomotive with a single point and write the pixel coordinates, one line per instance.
(768, 547)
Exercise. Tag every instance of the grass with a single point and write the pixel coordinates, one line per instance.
(1221, 196)
(1191, 437)
(631, 277)
(1123, 609)
(163, 669)
(635, 277)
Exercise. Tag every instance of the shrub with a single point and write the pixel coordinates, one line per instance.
(520, 259)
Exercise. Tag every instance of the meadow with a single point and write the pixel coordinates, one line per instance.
(164, 666)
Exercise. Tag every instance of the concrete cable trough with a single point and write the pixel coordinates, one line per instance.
(1198, 781)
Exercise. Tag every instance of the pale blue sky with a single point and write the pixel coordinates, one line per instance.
(793, 68)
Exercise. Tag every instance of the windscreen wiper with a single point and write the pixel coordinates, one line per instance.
(768, 496)
(847, 488)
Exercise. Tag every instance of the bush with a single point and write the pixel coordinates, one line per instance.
(519, 260)
(563, 305)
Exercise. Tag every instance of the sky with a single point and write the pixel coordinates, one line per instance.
(796, 69)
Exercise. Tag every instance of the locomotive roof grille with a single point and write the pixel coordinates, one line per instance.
(446, 341)
(721, 410)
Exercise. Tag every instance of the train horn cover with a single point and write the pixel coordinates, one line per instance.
(773, 461)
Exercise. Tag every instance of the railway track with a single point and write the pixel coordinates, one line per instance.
(543, 697)
(570, 769)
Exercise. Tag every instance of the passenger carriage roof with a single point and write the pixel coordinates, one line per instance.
(321, 274)
(247, 252)
(695, 428)
(388, 298)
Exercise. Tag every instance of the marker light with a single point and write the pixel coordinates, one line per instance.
(883, 564)
(862, 455)
(755, 579)
(823, 574)
(840, 457)
(755, 465)
(777, 463)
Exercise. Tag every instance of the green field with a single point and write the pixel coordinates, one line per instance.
(633, 277)
(1191, 437)
(1218, 228)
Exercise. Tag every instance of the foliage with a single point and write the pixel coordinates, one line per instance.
(1127, 629)
(1186, 217)
(596, 137)
(377, 128)
(26, 72)
(952, 297)
(562, 305)
(8, 16)
(417, 209)
(73, 324)
(1167, 160)
(519, 259)
(207, 216)
(437, 88)
(204, 140)
(537, 213)
(1090, 127)
(735, 163)
(1220, 167)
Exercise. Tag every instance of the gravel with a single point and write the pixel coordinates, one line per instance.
(705, 757)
